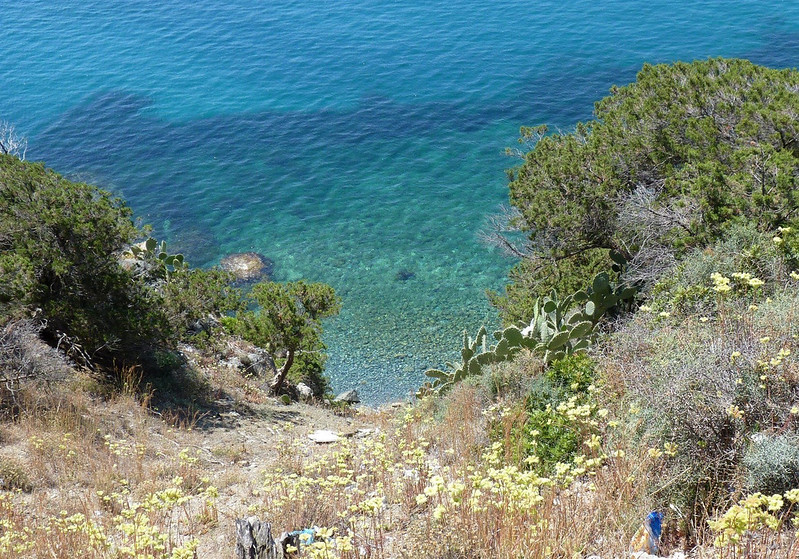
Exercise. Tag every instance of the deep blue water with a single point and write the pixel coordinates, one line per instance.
(346, 141)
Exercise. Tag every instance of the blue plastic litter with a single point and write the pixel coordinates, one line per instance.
(310, 531)
(647, 538)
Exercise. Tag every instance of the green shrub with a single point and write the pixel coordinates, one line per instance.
(772, 464)
(787, 242)
(548, 434)
(511, 380)
(13, 476)
(710, 388)
(59, 246)
(544, 430)
(688, 289)
(551, 435)
(530, 280)
(194, 300)
(573, 374)
(668, 163)
(287, 323)
(66, 256)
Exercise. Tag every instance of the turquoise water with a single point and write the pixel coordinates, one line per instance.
(346, 141)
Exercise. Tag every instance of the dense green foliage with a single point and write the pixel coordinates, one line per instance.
(59, 242)
(193, 298)
(287, 320)
(668, 164)
(530, 279)
(67, 259)
(539, 425)
(547, 433)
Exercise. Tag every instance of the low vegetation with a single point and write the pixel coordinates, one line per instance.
(648, 363)
(669, 163)
(70, 268)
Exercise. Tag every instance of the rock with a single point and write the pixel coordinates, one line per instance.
(225, 402)
(323, 436)
(304, 392)
(248, 266)
(250, 359)
(132, 265)
(254, 539)
(259, 363)
(350, 397)
(233, 363)
(404, 275)
(205, 324)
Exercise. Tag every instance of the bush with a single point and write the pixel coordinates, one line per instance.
(59, 242)
(510, 380)
(573, 374)
(540, 424)
(772, 464)
(13, 476)
(530, 280)
(710, 388)
(548, 434)
(787, 243)
(287, 322)
(669, 162)
(25, 357)
(689, 289)
(552, 435)
(193, 300)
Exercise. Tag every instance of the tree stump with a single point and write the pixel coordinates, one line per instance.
(254, 540)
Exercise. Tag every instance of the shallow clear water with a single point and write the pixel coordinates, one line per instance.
(346, 141)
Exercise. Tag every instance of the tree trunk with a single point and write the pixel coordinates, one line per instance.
(277, 382)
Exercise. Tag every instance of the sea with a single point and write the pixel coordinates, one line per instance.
(360, 143)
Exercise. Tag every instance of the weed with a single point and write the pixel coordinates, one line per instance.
(14, 476)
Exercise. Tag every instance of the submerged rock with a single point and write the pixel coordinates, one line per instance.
(248, 266)
(404, 274)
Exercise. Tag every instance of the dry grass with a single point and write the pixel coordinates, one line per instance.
(135, 473)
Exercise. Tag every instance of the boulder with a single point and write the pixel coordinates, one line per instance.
(248, 266)
(251, 360)
(205, 324)
(304, 392)
(350, 397)
(258, 363)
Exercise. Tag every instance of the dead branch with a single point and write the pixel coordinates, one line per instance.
(12, 143)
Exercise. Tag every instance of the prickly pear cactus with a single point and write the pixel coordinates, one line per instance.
(159, 263)
(471, 364)
(559, 327)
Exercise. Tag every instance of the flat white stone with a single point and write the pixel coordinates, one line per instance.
(323, 436)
